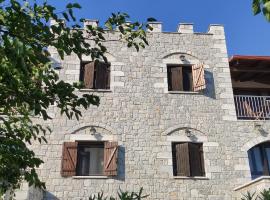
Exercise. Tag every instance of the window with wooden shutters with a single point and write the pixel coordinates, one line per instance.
(110, 158)
(179, 78)
(89, 159)
(95, 75)
(198, 77)
(188, 159)
(69, 159)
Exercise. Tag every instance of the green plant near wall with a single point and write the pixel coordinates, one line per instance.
(248, 196)
(264, 195)
(121, 195)
(261, 6)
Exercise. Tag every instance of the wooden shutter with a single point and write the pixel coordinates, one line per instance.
(176, 78)
(202, 160)
(69, 159)
(195, 161)
(182, 159)
(110, 158)
(89, 70)
(198, 77)
(102, 75)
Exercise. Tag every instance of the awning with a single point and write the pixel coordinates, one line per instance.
(250, 68)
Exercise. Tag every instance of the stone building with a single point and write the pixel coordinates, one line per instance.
(167, 122)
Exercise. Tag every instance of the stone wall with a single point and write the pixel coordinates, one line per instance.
(145, 118)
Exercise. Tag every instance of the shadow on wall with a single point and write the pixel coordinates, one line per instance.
(121, 164)
(210, 85)
(49, 196)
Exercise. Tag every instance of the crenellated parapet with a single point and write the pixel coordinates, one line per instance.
(157, 27)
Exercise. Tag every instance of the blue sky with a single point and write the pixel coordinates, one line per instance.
(246, 34)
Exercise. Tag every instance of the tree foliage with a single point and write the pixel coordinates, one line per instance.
(29, 86)
(262, 6)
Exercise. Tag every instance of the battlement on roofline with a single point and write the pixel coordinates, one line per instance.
(184, 28)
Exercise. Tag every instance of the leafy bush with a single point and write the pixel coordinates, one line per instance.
(121, 196)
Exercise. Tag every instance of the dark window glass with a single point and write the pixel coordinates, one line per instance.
(90, 159)
(179, 78)
(259, 160)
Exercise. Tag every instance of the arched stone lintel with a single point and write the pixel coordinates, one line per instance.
(188, 53)
(190, 59)
(107, 129)
(177, 134)
(170, 130)
(255, 141)
(103, 133)
(110, 57)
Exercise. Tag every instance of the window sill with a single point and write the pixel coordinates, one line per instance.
(95, 90)
(191, 178)
(90, 177)
(183, 92)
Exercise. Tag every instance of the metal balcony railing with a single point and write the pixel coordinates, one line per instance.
(252, 107)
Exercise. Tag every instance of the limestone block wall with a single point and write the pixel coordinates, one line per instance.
(145, 118)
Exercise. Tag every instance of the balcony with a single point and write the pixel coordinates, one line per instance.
(252, 107)
(251, 86)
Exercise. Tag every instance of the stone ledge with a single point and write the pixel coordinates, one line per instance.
(90, 177)
(191, 178)
(183, 92)
(95, 90)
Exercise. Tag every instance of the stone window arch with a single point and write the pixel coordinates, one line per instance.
(114, 71)
(193, 137)
(183, 72)
(91, 151)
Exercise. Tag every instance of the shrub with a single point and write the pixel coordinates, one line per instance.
(121, 195)
(264, 195)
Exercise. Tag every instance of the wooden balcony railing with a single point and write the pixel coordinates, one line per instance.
(252, 107)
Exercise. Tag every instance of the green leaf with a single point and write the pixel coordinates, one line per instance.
(267, 15)
(151, 19)
(69, 5)
(76, 5)
(108, 25)
(267, 6)
(256, 5)
(70, 11)
(65, 15)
